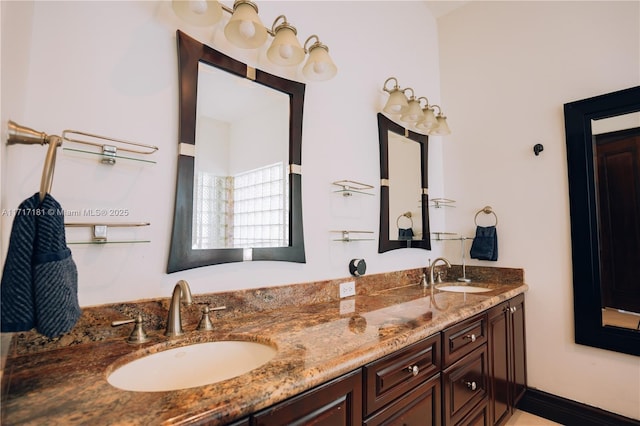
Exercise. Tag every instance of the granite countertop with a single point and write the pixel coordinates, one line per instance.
(67, 384)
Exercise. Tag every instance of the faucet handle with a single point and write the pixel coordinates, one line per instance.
(423, 281)
(205, 321)
(138, 334)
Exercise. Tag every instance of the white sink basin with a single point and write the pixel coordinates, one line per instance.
(191, 366)
(462, 288)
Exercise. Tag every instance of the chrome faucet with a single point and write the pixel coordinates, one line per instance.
(181, 292)
(431, 267)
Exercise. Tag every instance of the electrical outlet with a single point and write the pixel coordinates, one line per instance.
(348, 289)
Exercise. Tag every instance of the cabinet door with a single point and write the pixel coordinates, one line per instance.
(478, 417)
(464, 386)
(419, 407)
(499, 364)
(507, 363)
(518, 347)
(335, 403)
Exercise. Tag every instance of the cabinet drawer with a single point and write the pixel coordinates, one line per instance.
(395, 374)
(463, 338)
(479, 416)
(464, 385)
(335, 403)
(419, 407)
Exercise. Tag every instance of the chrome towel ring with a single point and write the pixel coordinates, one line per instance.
(408, 216)
(486, 210)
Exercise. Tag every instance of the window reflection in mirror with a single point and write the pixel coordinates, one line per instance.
(617, 158)
(404, 188)
(240, 180)
(230, 207)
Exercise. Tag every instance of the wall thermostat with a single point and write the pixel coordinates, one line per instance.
(357, 267)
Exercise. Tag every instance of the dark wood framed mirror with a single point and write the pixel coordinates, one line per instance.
(404, 199)
(597, 266)
(210, 226)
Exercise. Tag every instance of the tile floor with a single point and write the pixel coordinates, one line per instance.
(522, 418)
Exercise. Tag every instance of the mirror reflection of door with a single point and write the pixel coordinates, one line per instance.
(405, 210)
(240, 195)
(617, 149)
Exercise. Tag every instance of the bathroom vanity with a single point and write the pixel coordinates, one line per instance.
(394, 351)
(473, 372)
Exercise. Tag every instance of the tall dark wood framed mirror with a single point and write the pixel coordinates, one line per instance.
(603, 158)
(404, 199)
(238, 189)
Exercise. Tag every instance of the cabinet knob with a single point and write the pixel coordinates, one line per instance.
(414, 370)
(472, 385)
(471, 337)
(513, 309)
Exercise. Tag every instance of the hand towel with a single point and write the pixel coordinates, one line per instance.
(405, 233)
(40, 281)
(485, 243)
(17, 308)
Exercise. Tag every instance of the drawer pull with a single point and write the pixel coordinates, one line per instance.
(471, 337)
(472, 385)
(414, 370)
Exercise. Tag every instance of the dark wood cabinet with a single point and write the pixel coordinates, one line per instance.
(243, 422)
(335, 403)
(463, 337)
(479, 416)
(472, 373)
(394, 375)
(507, 359)
(418, 407)
(403, 388)
(464, 386)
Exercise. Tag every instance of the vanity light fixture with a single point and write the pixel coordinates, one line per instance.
(442, 129)
(429, 119)
(397, 101)
(285, 48)
(319, 66)
(412, 112)
(201, 13)
(245, 30)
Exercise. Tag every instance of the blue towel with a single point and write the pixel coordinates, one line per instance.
(39, 286)
(485, 243)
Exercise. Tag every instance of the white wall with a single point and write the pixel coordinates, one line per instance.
(507, 69)
(110, 68)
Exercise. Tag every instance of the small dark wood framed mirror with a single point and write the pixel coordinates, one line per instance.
(256, 151)
(602, 261)
(404, 199)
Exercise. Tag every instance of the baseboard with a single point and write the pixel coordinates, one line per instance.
(568, 412)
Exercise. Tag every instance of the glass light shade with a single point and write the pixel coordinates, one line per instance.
(201, 13)
(396, 103)
(285, 48)
(443, 127)
(428, 121)
(245, 29)
(319, 66)
(413, 113)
